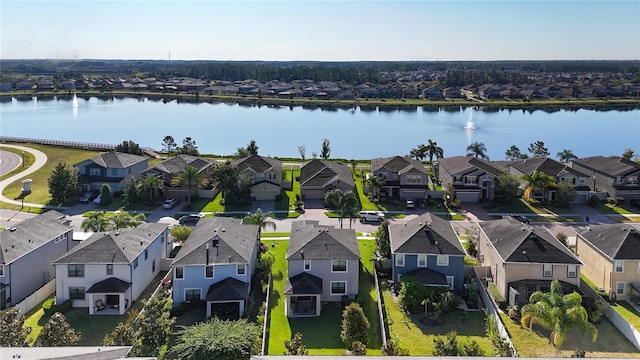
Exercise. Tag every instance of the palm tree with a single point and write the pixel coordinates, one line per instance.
(557, 312)
(123, 219)
(566, 155)
(190, 178)
(263, 219)
(345, 203)
(95, 221)
(537, 180)
(151, 183)
(477, 149)
(376, 183)
(432, 149)
(419, 152)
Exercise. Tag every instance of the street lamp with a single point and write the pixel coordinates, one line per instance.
(22, 158)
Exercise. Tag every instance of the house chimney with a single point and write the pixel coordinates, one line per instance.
(207, 247)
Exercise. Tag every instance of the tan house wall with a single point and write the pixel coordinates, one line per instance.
(490, 257)
(597, 268)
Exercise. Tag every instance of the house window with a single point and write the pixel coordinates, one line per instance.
(76, 293)
(414, 179)
(620, 288)
(443, 260)
(307, 265)
(422, 260)
(338, 265)
(179, 272)
(457, 179)
(547, 270)
(114, 172)
(450, 282)
(162, 239)
(1, 270)
(209, 272)
(135, 263)
(338, 287)
(241, 269)
(572, 271)
(94, 172)
(75, 270)
(399, 259)
(581, 181)
(59, 238)
(191, 294)
(146, 254)
(471, 180)
(619, 266)
(109, 269)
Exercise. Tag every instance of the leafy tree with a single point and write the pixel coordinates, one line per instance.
(383, 244)
(130, 192)
(538, 149)
(303, 151)
(125, 333)
(63, 182)
(509, 186)
(432, 149)
(168, 144)
(225, 176)
(218, 339)
(376, 184)
(513, 153)
(252, 148)
(355, 325)
(242, 153)
(326, 149)
(565, 155)
(565, 194)
(150, 184)
(265, 262)
(190, 178)
(155, 326)
(123, 219)
(629, 154)
(557, 312)
(263, 219)
(562, 237)
(345, 203)
(241, 192)
(477, 149)
(129, 147)
(58, 332)
(105, 195)
(14, 333)
(96, 221)
(180, 233)
(419, 152)
(188, 147)
(449, 195)
(295, 346)
(537, 180)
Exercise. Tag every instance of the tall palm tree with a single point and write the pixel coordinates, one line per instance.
(557, 312)
(345, 203)
(419, 152)
(477, 149)
(263, 219)
(376, 183)
(566, 155)
(123, 219)
(190, 178)
(432, 149)
(151, 183)
(95, 221)
(538, 180)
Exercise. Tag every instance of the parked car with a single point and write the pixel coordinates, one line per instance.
(89, 196)
(521, 218)
(410, 204)
(97, 199)
(422, 203)
(170, 203)
(367, 215)
(191, 219)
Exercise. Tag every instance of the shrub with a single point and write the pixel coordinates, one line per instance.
(355, 325)
(497, 297)
(593, 201)
(594, 309)
(413, 293)
(393, 348)
(179, 310)
(358, 349)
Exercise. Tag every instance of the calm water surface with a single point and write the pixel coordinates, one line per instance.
(354, 133)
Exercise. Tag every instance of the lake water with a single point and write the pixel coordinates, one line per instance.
(355, 133)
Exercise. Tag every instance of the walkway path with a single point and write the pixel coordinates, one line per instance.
(40, 161)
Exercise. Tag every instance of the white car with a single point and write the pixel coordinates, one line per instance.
(97, 199)
(170, 203)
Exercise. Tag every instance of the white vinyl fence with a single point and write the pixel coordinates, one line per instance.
(491, 310)
(37, 297)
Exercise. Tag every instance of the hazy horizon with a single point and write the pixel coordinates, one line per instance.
(323, 31)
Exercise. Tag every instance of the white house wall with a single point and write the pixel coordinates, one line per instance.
(92, 274)
(322, 269)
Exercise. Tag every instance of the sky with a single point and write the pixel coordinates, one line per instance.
(320, 30)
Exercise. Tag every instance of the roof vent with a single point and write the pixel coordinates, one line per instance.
(141, 242)
(117, 233)
(12, 229)
(524, 252)
(215, 230)
(223, 230)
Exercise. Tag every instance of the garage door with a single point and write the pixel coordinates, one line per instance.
(468, 196)
(313, 194)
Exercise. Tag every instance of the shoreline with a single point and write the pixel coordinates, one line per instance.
(365, 104)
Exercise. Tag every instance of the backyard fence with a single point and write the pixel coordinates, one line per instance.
(265, 322)
(383, 331)
(37, 297)
(618, 321)
(72, 144)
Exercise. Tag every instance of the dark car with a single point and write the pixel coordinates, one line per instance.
(521, 218)
(422, 203)
(191, 219)
(89, 196)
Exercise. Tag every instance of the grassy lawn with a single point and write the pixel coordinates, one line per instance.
(29, 159)
(607, 208)
(274, 234)
(35, 320)
(610, 342)
(288, 201)
(208, 205)
(418, 338)
(627, 312)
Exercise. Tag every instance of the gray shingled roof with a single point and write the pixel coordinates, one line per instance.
(616, 241)
(236, 242)
(117, 160)
(397, 164)
(70, 352)
(258, 163)
(463, 164)
(320, 242)
(428, 276)
(518, 242)
(426, 234)
(322, 173)
(176, 164)
(31, 234)
(545, 165)
(227, 290)
(113, 247)
(111, 285)
(612, 165)
(303, 283)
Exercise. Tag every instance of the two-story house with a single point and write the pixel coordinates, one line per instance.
(404, 177)
(26, 252)
(558, 171)
(324, 265)
(427, 249)
(317, 177)
(525, 259)
(215, 266)
(473, 179)
(108, 271)
(172, 167)
(611, 254)
(266, 174)
(615, 175)
(112, 168)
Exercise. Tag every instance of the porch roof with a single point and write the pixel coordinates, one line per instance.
(303, 283)
(635, 286)
(428, 277)
(111, 285)
(228, 289)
